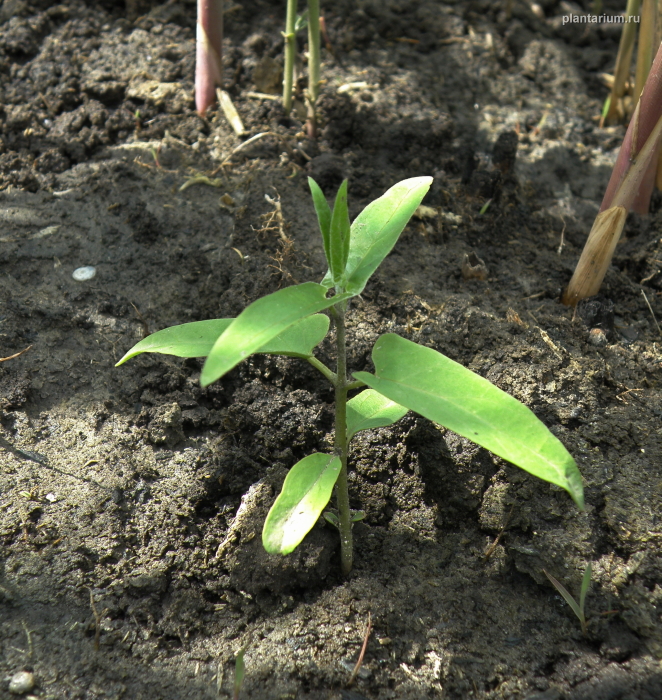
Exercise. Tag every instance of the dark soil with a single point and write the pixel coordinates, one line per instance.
(132, 501)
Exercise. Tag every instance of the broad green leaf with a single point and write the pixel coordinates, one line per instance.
(370, 409)
(306, 491)
(377, 228)
(339, 234)
(261, 322)
(323, 215)
(186, 340)
(300, 338)
(440, 389)
(197, 339)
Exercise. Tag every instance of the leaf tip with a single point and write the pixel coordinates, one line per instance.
(207, 376)
(127, 356)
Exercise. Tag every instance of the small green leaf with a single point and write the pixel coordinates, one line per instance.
(442, 390)
(239, 673)
(197, 339)
(586, 582)
(357, 516)
(605, 108)
(370, 409)
(331, 518)
(323, 215)
(301, 21)
(377, 228)
(306, 491)
(186, 340)
(261, 322)
(339, 234)
(566, 596)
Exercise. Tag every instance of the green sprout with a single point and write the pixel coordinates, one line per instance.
(289, 36)
(577, 608)
(239, 673)
(301, 22)
(314, 65)
(407, 376)
(293, 24)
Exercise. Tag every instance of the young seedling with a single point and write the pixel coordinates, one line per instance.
(407, 376)
(577, 608)
(630, 188)
(616, 108)
(289, 36)
(208, 53)
(239, 673)
(314, 59)
(314, 64)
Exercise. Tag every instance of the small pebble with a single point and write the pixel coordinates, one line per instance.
(83, 274)
(597, 337)
(21, 682)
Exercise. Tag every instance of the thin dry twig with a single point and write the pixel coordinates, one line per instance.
(359, 663)
(15, 355)
(141, 320)
(490, 550)
(650, 308)
(247, 143)
(562, 243)
(28, 634)
(277, 215)
(625, 393)
(97, 620)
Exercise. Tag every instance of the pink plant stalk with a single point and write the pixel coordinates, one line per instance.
(629, 189)
(209, 53)
(633, 178)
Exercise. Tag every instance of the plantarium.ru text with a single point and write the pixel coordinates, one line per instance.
(407, 376)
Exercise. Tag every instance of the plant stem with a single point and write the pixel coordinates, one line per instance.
(623, 63)
(290, 54)
(355, 385)
(209, 53)
(320, 366)
(340, 444)
(314, 61)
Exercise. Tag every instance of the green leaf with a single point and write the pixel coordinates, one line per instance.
(300, 338)
(323, 215)
(197, 339)
(586, 582)
(566, 596)
(370, 409)
(239, 672)
(186, 340)
(261, 322)
(442, 390)
(339, 235)
(306, 491)
(377, 228)
(331, 518)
